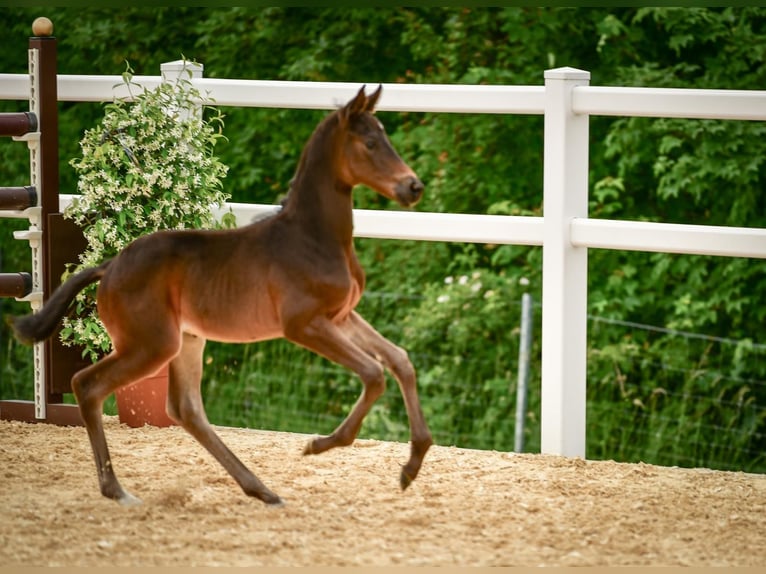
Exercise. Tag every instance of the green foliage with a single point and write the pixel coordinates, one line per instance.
(692, 171)
(464, 335)
(656, 395)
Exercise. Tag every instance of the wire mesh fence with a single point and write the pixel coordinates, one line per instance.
(672, 397)
(656, 395)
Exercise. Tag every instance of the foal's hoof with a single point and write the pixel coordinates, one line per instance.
(273, 500)
(405, 479)
(128, 500)
(318, 444)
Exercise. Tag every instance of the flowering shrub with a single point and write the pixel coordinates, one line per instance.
(149, 165)
(464, 339)
(455, 315)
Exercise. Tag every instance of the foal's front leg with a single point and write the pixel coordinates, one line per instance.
(397, 361)
(360, 348)
(325, 338)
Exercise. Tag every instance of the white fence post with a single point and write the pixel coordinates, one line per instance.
(565, 267)
(182, 70)
(171, 71)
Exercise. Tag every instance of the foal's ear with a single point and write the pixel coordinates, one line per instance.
(361, 103)
(356, 106)
(373, 99)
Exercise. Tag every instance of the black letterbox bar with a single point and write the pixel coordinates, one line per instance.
(17, 198)
(15, 284)
(17, 123)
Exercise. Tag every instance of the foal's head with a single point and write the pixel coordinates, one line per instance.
(367, 156)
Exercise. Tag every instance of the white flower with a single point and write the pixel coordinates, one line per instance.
(442, 298)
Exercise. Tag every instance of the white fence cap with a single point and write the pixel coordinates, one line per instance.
(566, 73)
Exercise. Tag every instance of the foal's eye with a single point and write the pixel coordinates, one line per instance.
(370, 143)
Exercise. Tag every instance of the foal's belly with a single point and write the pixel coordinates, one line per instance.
(239, 324)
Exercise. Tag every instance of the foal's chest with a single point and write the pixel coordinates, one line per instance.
(353, 292)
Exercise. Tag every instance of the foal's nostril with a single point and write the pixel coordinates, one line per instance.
(408, 190)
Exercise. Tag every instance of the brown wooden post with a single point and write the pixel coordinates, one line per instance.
(61, 240)
(49, 160)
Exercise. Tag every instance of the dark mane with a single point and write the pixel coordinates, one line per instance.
(317, 141)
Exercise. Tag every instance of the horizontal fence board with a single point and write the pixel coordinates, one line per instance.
(462, 227)
(303, 95)
(670, 103)
(418, 225)
(75, 88)
(423, 226)
(395, 97)
(527, 230)
(669, 237)
(595, 100)
(14, 87)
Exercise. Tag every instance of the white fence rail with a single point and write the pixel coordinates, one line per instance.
(565, 232)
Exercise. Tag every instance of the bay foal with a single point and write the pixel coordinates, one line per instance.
(294, 275)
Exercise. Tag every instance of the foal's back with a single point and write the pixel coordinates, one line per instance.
(212, 283)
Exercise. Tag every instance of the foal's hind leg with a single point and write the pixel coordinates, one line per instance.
(396, 360)
(185, 406)
(91, 386)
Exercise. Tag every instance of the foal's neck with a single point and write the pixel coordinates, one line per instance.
(318, 199)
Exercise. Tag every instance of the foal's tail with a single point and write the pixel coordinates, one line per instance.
(41, 325)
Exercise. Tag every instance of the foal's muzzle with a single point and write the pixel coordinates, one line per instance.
(409, 190)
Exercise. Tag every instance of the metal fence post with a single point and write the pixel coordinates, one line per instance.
(565, 267)
(525, 345)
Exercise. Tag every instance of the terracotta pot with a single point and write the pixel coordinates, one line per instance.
(143, 402)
